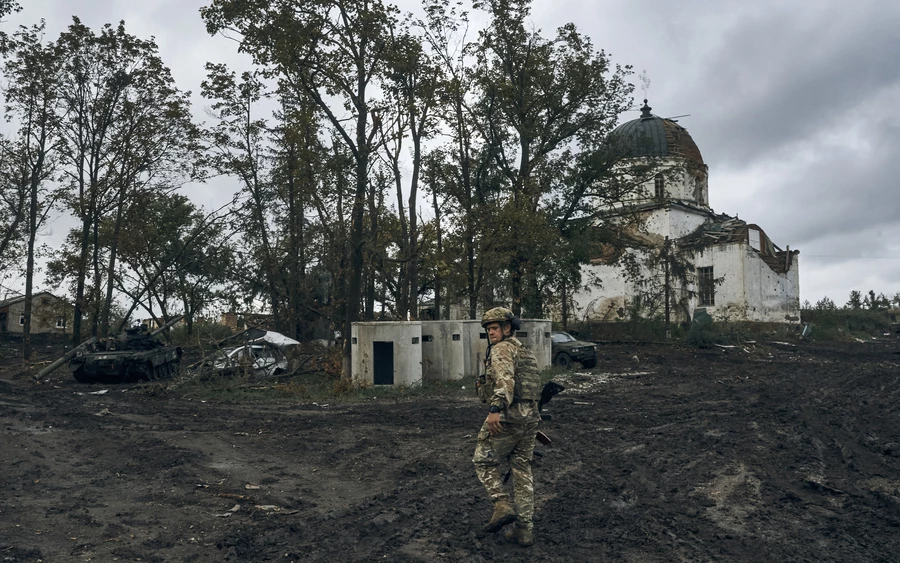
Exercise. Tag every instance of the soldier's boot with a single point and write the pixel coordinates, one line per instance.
(521, 536)
(504, 514)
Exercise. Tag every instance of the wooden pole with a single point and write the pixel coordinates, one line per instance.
(666, 256)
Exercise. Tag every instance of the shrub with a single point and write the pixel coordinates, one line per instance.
(843, 324)
(205, 335)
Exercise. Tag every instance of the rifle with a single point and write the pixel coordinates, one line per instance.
(480, 379)
(550, 390)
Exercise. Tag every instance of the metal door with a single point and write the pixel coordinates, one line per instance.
(383, 368)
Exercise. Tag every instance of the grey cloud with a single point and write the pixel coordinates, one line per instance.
(842, 192)
(779, 79)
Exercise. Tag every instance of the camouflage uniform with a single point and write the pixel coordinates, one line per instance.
(512, 384)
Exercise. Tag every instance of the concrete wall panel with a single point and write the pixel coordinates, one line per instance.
(407, 350)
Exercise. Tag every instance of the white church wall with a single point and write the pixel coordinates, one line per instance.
(727, 262)
(673, 222)
(683, 222)
(604, 302)
(675, 183)
(750, 290)
(771, 296)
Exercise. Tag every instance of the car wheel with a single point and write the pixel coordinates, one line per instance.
(589, 364)
(563, 360)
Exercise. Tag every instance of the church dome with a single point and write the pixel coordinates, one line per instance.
(651, 135)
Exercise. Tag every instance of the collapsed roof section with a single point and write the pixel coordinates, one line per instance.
(724, 229)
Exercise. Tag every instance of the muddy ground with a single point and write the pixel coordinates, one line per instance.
(763, 452)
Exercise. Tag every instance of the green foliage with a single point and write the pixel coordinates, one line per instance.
(855, 301)
(638, 329)
(203, 335)
(703, 336)
(846, 324)
(876, 302)
(737, 333)
(320, 387)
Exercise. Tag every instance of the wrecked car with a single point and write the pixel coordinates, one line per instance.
(254, 351)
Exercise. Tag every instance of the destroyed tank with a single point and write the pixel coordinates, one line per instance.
(134, 356)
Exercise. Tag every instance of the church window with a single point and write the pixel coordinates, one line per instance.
(706, 286)
(754, 239)
(659, 187)
(21, 320)
(615, 188)
(698, 191)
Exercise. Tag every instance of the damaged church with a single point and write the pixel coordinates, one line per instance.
(677, 250)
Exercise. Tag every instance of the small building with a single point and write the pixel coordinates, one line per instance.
(403, 353)
(386, 353)
(49, 314)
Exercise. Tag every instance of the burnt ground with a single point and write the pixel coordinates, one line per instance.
(763, 452)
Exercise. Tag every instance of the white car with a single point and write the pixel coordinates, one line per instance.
(262, 356)
(263, 359)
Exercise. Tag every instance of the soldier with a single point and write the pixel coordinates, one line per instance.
(513, 388)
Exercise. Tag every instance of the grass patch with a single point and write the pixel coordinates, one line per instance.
(735, 333)
(636, 330)
(310, 387)
(847, 324)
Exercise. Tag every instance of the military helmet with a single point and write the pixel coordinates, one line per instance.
(497, 315)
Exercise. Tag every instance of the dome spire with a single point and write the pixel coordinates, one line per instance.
(645, 111)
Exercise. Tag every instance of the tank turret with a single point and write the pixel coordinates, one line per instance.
(134, 355)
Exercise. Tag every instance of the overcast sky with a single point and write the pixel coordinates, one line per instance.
(794, 106)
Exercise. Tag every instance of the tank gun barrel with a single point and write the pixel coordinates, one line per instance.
(167, 325)
(65, 358)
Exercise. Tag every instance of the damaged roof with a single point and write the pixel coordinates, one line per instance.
(724, 229)
(651, 135)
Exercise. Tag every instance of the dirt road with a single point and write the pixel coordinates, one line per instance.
(766, 452)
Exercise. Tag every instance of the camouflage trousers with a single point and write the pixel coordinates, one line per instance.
(517, 442)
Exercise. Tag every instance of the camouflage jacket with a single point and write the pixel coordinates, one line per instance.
(512, 382)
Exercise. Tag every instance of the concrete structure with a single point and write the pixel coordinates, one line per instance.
(387, 353)
(432, 350)
(715, 262)
(445, 351)
(49, 314)
(535, 333)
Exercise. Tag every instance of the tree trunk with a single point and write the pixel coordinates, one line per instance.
(29, 269)
(413, 264)
(356, 237)
(78, 312)
(111, 268)
(439, 256)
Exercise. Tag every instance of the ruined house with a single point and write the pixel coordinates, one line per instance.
(673, 244)
(49, 314)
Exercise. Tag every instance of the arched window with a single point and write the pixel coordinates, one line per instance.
(659, 187)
